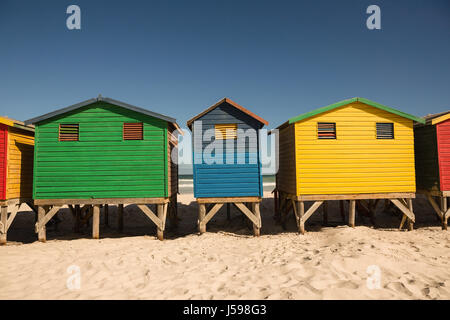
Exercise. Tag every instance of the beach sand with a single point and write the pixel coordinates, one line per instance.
(227, 262)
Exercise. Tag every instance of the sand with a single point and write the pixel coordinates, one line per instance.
(227, 262)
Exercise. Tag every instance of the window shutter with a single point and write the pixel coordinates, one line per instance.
(133, 131)
(326, 130)
(68, 132)
(225, 131)
(385, 130)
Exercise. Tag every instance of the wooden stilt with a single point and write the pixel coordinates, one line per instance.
(120, 217)
(96, 222)
(3, 224)
(162, 210)
(351, 214)
(228, 211)
(410, 222)
(201, 217)
(106, 211)
(444, 212)
(407, 211)
(41, 230)
(447, 214)
(325, 213)
(256, 227)
(301, 213)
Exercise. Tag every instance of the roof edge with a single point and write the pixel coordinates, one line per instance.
(231, 102)
(356, 99)
(93, 100)
(440, 119)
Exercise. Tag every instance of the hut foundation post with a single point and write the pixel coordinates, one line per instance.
(445, 212)
(351, 213)
(3, 224)
(301, 213)
(410, 222)
(96, 222)
(228, 211)
(256, 227)
(201, 217)
(41, 228)
(162, 211)
(120, 217)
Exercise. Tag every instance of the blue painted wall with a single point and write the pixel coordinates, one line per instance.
(238, 175)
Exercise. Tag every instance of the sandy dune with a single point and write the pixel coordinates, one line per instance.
(227, 262)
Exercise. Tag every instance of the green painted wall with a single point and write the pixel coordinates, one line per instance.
(101, 164)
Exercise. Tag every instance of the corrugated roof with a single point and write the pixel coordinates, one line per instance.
(108, 100)
(348, 101)
(232, 103)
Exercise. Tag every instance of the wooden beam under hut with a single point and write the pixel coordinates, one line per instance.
(248, 206)
(364, 203)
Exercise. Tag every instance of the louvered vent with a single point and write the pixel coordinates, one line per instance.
(225, 131)
(326, 130)
(68, 132)
(133, 131)
(385, 130)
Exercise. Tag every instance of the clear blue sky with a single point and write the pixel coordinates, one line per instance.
(277, 58)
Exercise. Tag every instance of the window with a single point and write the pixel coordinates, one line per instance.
(326, 130)
(385, 130)
(68, 132)
(225, 131)
(133, 131)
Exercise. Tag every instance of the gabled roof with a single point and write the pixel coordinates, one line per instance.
(16, 124)
(232, 103)
(348, 101)
(437, 117)
(108, 100)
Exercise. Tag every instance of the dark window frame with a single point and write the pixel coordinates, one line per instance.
(384, 131)
(326, 132)
(66, 136)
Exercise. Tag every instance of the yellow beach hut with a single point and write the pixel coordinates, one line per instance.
(355, 150)
(16, 170)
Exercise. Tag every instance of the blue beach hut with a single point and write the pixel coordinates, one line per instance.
(227, 166)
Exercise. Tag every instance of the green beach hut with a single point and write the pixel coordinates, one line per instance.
(104, 152)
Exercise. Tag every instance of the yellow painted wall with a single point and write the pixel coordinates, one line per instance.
(356, 162)
(19, 179)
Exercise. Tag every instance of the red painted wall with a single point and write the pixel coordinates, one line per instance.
(3, 153)
(443, 139)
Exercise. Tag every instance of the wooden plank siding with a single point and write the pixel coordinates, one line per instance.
(101, 164)
(3, 160)
(355, 162)
(235, 175)
(426, 157)
(443, 141)
(286, 175)
(20, 164)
